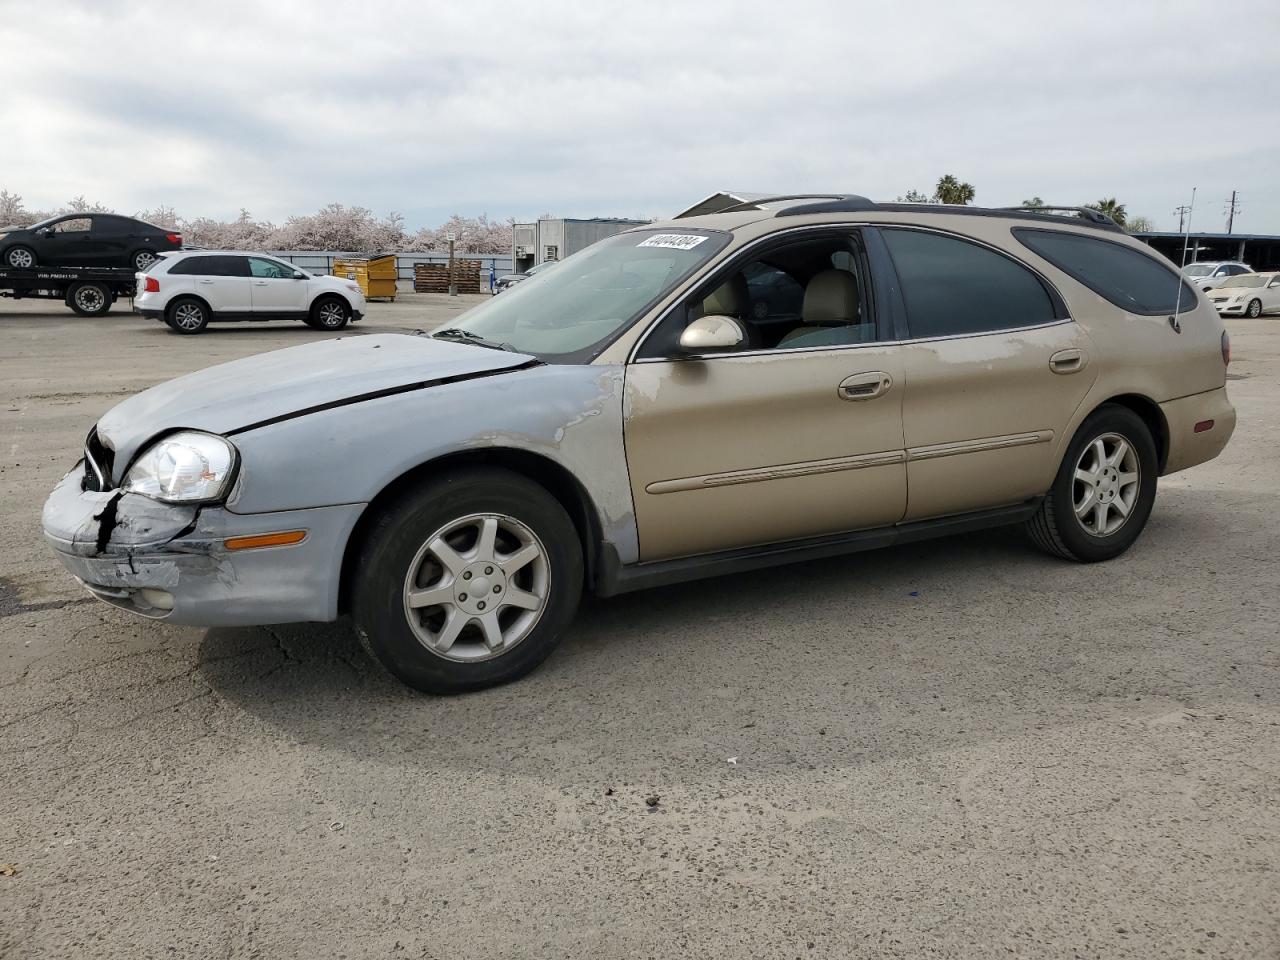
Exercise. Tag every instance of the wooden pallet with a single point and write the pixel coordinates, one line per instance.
(434, 277)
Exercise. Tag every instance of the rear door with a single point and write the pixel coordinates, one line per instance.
(109, 236)
(223, 280)
(276, 287)
(994, 370)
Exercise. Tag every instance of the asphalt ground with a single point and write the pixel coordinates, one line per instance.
(961, 748)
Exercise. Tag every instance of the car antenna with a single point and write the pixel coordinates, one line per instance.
(1186, 235)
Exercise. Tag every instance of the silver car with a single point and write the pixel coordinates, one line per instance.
(701, 397)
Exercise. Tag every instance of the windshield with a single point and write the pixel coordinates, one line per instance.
(1245, 280)
(1198, 269)
(569, 313)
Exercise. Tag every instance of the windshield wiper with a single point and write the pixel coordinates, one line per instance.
(466, 336)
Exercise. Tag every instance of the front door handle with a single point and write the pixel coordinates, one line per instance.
(865, 386)
(205, 281)
(259, 283)
(1068, 361)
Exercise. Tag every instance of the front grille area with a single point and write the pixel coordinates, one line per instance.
(98, 460)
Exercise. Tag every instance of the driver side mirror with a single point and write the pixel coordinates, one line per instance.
(712, 334)
(47, 232)
(298, 275)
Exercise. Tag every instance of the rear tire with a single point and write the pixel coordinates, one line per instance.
(425, 550)
(187, 316)
(20, 258)
(89, 299)
(329, 313)
(1254, 310)
(1104, 490)
(140, 260)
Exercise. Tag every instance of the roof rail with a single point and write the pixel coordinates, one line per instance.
(1085, 213)
(848, 203)
(828, 197)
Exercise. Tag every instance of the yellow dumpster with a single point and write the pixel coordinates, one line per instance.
(376, 276)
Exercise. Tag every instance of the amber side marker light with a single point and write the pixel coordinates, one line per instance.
(283, 539)
(1203, 425)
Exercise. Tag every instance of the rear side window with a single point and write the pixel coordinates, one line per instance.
(953, 287)
(1128, 278)
(210, 267)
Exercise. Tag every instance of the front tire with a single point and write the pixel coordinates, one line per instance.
(329, 313)
(187, 316)
(468, 581)
(1254, 310)
(89, 299)
(1104, 490)
(20, 258)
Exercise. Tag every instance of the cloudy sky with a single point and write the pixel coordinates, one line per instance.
(639, 108)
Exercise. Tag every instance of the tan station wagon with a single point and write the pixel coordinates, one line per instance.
(789, 379)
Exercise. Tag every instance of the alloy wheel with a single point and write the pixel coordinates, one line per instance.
(1255, 308)
(21, 259)
(477, 587)
(331, 314)
(1106, 484)
(188, 316)
(144, 259)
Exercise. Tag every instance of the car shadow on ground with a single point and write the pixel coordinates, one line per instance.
(844, 660)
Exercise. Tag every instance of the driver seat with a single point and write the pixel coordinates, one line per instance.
(830, 308)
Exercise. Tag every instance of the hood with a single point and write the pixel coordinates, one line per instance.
(283, 383)
(12, 228)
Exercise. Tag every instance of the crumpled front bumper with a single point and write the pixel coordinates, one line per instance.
(168, 561)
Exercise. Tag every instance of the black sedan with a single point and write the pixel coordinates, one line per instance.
(86, 240)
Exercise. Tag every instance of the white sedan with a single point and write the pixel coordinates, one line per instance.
(1248, 295)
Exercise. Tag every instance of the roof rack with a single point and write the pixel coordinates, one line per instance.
(1085, 213)
(855, 203)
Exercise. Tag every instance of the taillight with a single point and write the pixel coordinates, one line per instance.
(152, 285)
(174, 238)
(1226, 348)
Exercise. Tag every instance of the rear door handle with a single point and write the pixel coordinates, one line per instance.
(206, 281)
(865, 386)
(1068, 361)
(259, 283)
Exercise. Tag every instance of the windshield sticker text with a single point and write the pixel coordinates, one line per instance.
(677, 241)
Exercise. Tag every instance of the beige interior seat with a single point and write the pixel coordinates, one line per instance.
(829, 309)
(730, 299)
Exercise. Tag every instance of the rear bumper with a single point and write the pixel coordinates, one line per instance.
(1187, 447)
(168, 562)
(150, 314)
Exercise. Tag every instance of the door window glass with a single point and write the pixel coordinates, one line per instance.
(73, 225)
(270, 269)
(953, 287)
(802, 294)
(1130, 279)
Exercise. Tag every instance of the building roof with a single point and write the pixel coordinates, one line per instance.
(719, 201)
(1219, 237)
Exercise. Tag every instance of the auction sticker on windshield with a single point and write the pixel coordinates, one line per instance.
(679, 241)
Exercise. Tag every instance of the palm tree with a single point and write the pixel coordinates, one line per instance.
(951, 190)
(1111, 208)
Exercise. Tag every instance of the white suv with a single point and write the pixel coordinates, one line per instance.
(189, 289)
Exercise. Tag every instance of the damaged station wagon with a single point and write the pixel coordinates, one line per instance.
(785, 380)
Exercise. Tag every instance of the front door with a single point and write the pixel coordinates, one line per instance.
(798, 433)
(67, 243)
(995, 370)
(274, 288)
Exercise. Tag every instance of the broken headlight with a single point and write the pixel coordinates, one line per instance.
(183, 467)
